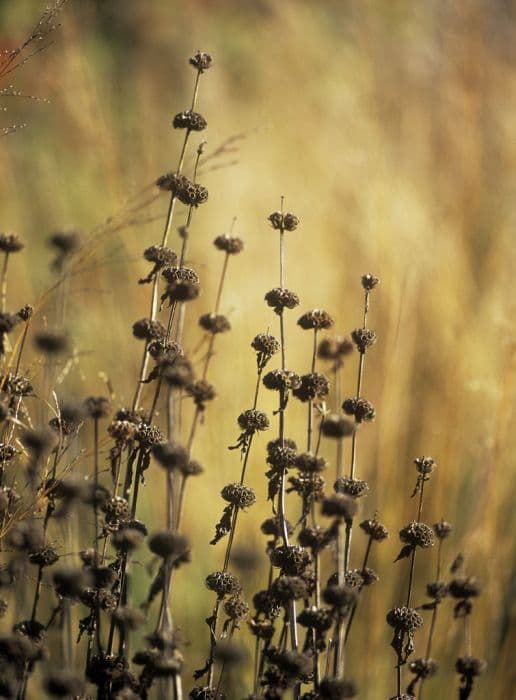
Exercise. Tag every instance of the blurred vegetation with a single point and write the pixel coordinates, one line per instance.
(389, 127)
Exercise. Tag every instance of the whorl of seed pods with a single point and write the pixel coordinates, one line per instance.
(239, 495)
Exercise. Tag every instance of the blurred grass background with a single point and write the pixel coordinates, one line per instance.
(389, 127)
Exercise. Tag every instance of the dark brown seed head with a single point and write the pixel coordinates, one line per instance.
(8, 321)
(265, 602)
(148, 329)
(314, 385)
(170, 455)
(363, 338)
(7, 452)
(148, 435)
(236, 608)
(470, 666)
(232, 245)
(425, 465)
(442, 529)
(65, 242)
(310, 463)
(373, 528)
(334, 348)
(319, 619)
(283, 221)
(25, 313)
(340, 597)
(170, 182)
(337, 689)
(178, 373)
(239, 495)
(97, 407)
(404, 619)
(193, 121)
(418, 535)
(214, 323)
(70, 581)
(51, 342)
(10, 243)
(128, 619)
(280, 299)
(341, 506)
(361, 409)
(281, 380)
(316, 538)
(287, 588)
(39, 440)
(223, 583)
(437, 590)
(310, 487)
(122, 431)
(424, 668)
(46, 556)
(192, 468)
(272, 526)
(127, 539)
(465, 587)
(170, 545)
(292, 560)
(201, 61)
(201, 391)
(160, 256)
(252, 421)
(369, 282)
(265, 346)
(205, 692)
(316, 319)
(351, 487)
(336, 426)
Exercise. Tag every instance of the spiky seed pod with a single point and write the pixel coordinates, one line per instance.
(373, 528)
(319, 619)
(266, 346)
(470, 666)
(7, 452)
(363, 338)
(252, 421)
(232, 245)
(404, 619)
(128, 619)
(442, 529)
(316, 537)
(354, 579)
(178, 373)
(16, 384)
(356, 488)
(465, 587)
(10, 243)
(266, 602)
(160, 255)
(310, 463)
(101, 597)
(280, 457)
(147, 329)
(148, 435)
(339, 505)
(369, 576)
(292, 559)
(52, 342)
(46, 556)
(191, 193)
(362, 409)
(425, 465)
(223, 583)
(170, 182)
(205, 693)
(287, 588)
(369, 282)
(25, 313)
(280, 299)
(239, 495)
(201, 61)
(273, 527)
(193, 121)
(310, 487)
(170, 545)
(314, 385)
(316, 319)
(64, 683)
(418, 535)
(236, 608)
(214, 323)
(170, 455)
(201, 391)
(262, 629)
(70, 581)
(337, 689)
(281, 380)
(437, 590)
(181, 290)
(122, 431)
(335, 426)
(127, 539)
(180, 274)
(340, 597)
(283, 221)
(116, 508)
(334, 348)
(424, 668)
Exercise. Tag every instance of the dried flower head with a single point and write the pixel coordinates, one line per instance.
(336, 426)
(273, 527)
(470, 666)
(252, 421)
(404, 619)
(25, 313)
(214, 323)
(424, 668)
(178, 373)
(170, 545)
(417, 534)
(369, 282)
(236, 608)
(201, 391)
(43, 557)
(340, 597)
(442, 529)
(337, 689)
(51, 342)
(374, 529)
(356, 488)
(223, 583)
(334, 348)
(97, 407)
(465, 587)
(292, 559)
(266, 346)
(310, 463)
(148, 329)
(361, 409)
(363, 338)
(279, 299)
(425, 465)
(314, 385)
(239, 495)
(192, 121)
(201, 61)
(316, 319)
(170, 455)
(281, 380)
(10, 243)
(341, 506)
(283, 221)
(232, 245)
(287, 588)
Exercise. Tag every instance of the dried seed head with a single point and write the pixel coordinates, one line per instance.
(404, 619)
(351, 487)
(8, 321)
(201, 61)
(265, 602)
(361, 409)
(223, 583)
(205, 692)
(316, 537)
(128, 619)
(148, 435)
(228, 653)
(265, 346)
(341, 598)
(273, 527)
(70, 581)
(232, 245)
(369, 282)
(64, 683)
(10, 243)
(281, 380)
(101, 597)
(214, 323)
(160, 256)
(170, 545)
(66, 242)
(317, 319)
(465, 587)
(7, 452)
(192, 468)
(135, 416)
(363, 338)
(369, 576)
(437, 590)
(319, 619)
(309, 486)
(127, 539)
(39, 440)
(252, 421)
(122, 431)
(96, 407)
(341, 506)
(313, 386)
(337, 689)
(334, 348)
(183, 284)
(170, 182)
(164, 351)
(292, 559)
(310, 463)
(336, 426)
(280, 299)
(283, 221)
(418, 535)
(374, 529)
(280, 457)
(179, 373)
(25, 313)
(201, 391)
(192, 193)
(46, 556)
(147, 329)
(170, 455)
(16, 384)
(424, 668)
(425, 465)
(442, 529)
(287, 588)
(193, 121)
(116, 509)
(470, 666)
(51, 342)
(236, 608)
(239, 495)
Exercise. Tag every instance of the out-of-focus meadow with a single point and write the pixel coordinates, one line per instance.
(389, 127)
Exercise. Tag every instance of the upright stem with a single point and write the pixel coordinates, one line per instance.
(3, 284)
